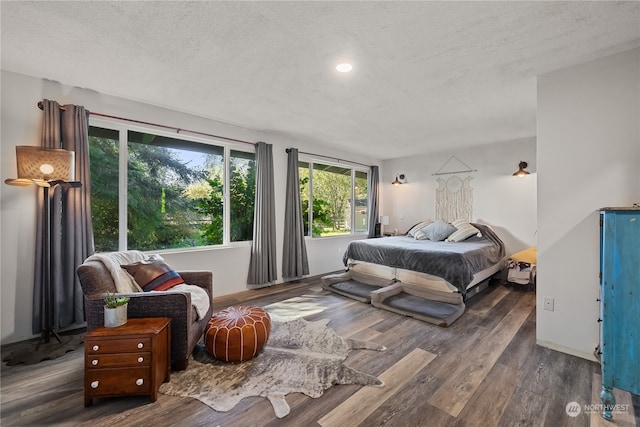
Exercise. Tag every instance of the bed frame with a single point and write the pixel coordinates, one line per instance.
(479, 283)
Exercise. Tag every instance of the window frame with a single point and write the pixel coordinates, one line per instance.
(311, 160)
(123, 158)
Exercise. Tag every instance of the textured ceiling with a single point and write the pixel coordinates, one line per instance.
(427, 76)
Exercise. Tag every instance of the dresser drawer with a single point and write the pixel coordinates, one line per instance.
(117, 381)
(125, 345)
(97, 361)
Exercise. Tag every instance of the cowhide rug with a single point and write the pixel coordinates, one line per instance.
(300, 356)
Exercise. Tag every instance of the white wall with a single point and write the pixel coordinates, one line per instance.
(588, 119)
(505, 202)
(21, 125)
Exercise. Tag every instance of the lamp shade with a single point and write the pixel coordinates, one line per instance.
(49, 164)
(38, 165)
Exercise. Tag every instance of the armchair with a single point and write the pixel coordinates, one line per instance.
(186, 328)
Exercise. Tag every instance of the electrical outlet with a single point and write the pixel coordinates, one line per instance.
(339, 250)
(548, 303)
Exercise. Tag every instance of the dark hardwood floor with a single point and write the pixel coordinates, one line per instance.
(484, 370)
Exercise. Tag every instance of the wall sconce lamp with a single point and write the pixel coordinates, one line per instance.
(399, 179)
(47, 168)
(521, 170)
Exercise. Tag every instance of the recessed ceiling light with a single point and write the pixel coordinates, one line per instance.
(344, 67)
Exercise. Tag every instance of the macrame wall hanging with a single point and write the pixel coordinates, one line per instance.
(454, 195)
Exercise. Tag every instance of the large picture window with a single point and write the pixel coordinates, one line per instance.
(178, 193)
(334, 199)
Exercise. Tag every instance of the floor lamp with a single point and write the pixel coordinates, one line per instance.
(47, 168)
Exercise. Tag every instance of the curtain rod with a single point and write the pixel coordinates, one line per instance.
(178, 130)
(329, 157)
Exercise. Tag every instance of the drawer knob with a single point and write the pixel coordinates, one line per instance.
(94, 362)
(96, 347)
(95, 384)
(139, 381)
(140, 345)
(140, 359)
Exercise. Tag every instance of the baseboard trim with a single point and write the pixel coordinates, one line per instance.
(562, 349)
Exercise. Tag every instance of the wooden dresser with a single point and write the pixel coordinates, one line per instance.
(132, 359)
(619, 304)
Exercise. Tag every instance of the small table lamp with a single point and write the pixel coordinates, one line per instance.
(384, 220)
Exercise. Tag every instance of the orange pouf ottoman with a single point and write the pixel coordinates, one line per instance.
(237, 333)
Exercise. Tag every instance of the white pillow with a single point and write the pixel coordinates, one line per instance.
(464, 230)
(418, 226)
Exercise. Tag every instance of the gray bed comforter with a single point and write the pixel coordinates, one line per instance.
(456, 262)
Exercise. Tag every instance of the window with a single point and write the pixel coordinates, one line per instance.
(361, 214)
(334, 199)
(173, 189)
(103, 159)
(242, 190)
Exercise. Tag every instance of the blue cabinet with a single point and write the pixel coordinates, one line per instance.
(619, 303)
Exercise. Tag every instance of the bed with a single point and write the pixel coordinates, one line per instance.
(444, 266)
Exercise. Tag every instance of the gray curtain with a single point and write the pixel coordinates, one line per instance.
(262, 265)
(295, 264)
(70, 221)
(374, 209)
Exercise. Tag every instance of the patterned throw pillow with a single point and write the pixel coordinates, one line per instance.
(153, 275)
(439, 230)
(412, 232)
(464, 230)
